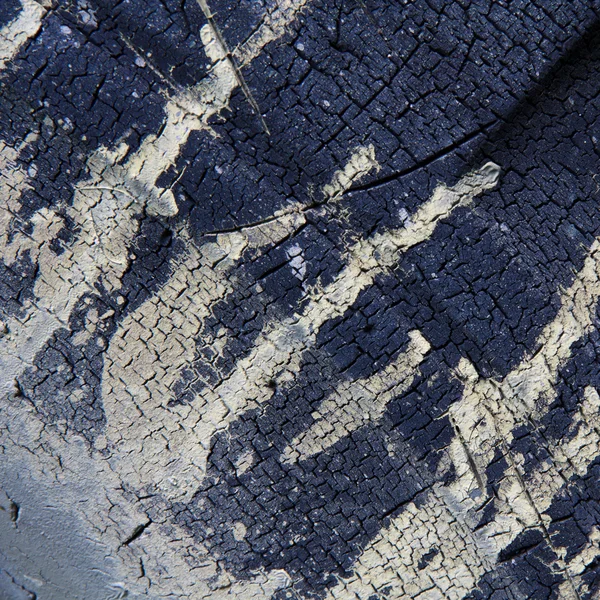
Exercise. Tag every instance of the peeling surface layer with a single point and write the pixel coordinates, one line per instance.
(299, 299)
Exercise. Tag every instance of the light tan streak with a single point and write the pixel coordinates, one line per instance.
(391, 559)
(489, 409)
(157, 341)
(355, 403)
(485, 418)
(105, 211)
(190, 110)
(272, 28)
(150, 350)
(13, 181)
(82, 490)
(448, 518)
(17, 32)
(278, 353)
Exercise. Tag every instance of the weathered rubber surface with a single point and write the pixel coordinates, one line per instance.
(299, 299)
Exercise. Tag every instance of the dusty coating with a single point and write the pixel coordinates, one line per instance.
(355, 403)
(62, 475)
(273, 26)
(14, 180)
(143, 362)
(484, 420)
(15, 34)
(276, 356)
(362, 162)
(416, 531)
(279, 410)
(105, 218)
(106, 208)
(190, 110)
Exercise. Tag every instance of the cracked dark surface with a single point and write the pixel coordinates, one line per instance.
(169, 311)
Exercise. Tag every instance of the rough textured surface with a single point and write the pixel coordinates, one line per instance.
(299, 299)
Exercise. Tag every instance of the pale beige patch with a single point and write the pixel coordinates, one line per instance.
(244, 462)
(63, 474)
(239, 531)
(278, 353)
(391, 560)
(45, 224)
(105, 210)
(272, 28)
(484, 420)
(362, 162)
(13, 180)
(589, 552)
(151, 348)
(191, 109)
(490, 410)
(15, 34)
(355, 403)
(572, 457)
(82, 336)
(157, 341)
(370, 257)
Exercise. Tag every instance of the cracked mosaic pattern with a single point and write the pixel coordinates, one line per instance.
(299, 299)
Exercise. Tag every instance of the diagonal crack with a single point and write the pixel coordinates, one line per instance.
(426, 162)
(229, 57)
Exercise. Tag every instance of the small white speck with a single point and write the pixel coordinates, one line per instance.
(300, 47)
(65, 30)
(140, 62)
(296, 258)
(239, 531)
(405, 217)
